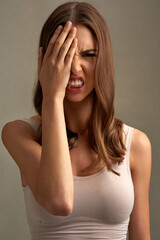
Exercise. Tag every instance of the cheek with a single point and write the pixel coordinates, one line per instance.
(89, 68)
(90, 74)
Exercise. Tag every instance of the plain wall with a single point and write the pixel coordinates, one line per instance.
(135, 33)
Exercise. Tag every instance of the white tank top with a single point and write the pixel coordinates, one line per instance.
(102, 204)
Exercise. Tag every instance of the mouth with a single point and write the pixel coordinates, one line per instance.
(75, 83)
(74, 78)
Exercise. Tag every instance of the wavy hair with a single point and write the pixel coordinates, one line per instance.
(105, 130)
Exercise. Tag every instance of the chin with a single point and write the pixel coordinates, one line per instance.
(74, 98)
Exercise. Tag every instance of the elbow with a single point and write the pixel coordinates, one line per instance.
(63, 210)
(59, 209)
(60, 206)
(56, 207)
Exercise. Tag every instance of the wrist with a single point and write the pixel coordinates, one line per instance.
(52, 101)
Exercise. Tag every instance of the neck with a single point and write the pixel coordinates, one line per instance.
(77, 115)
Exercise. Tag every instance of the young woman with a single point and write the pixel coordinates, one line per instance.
(85, 173)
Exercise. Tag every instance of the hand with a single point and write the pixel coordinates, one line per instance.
(55, 66)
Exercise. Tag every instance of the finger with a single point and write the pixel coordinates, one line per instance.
(52, 41)
(60, 40)
(71, 52)
(64, 49)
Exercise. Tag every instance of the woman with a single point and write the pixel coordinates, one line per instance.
(85, 173)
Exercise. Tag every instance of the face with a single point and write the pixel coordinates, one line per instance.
(83, 64)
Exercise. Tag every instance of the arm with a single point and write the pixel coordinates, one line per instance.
(47, 169)
(140, 164)
(55, 178)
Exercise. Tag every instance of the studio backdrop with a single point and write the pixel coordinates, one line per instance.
(135, 34)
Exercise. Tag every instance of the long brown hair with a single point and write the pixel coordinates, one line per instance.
(105, 130)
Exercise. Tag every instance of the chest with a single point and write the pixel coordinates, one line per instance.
(105, 198)
(83, 156)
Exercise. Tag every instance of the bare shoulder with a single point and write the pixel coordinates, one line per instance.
(140, 151)
(18, 126)
(140, 164)
(18, 137)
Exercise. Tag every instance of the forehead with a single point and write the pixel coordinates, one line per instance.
(85, 38)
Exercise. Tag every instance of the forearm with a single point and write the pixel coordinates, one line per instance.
(55, 178)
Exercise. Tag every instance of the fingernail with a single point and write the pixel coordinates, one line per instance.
(68, 24)
(75, 41)
(73, 30)
(59, 27)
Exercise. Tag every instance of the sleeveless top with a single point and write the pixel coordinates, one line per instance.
(102, 206)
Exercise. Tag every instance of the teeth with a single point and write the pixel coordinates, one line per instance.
(76, 83)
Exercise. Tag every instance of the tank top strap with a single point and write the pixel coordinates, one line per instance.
(128, 133)
(33, 123)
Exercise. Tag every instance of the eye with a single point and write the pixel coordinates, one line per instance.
(89, 55)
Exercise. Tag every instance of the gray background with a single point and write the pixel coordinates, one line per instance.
(135, 33)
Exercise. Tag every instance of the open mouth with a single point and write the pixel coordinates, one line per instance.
(75, 88)
(75, 84)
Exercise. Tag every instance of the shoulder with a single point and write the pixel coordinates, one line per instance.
(140, 151)
(140, 159)
(16, 127)
(37, 118)
(20, 123)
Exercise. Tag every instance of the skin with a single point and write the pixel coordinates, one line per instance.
(78, 106)
(62, 59)
(140, 165)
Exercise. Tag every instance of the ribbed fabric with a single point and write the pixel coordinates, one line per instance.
(102, 204)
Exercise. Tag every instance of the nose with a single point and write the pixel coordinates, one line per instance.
(76, 65)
